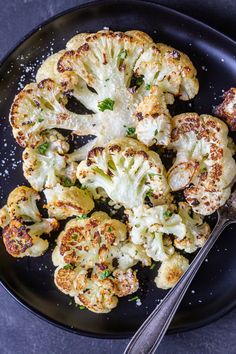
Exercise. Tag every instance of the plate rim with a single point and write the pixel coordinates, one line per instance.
(197, 324)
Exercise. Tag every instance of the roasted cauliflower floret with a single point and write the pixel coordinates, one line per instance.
(22, 240)
(227, 109)
(126, 170)
(93, 257)
(64, 278)
(126, 283)
(150, 227)
(97, 294)
(204, 166)
(48, 163)
(39, 107)
(197, 231)
(21, 204)
(96, 240)
(171, 271)
(154, 124)
(64, 202)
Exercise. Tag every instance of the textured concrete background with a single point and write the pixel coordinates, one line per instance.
(20, 331)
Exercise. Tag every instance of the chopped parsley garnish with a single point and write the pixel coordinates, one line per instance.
(108, 103)
(110, 229)
(155, 76)
(130, 131)
(139, 81)
(203, 169)
(40, 120)
(137, 225)
(134, 298)
(168, 213)
(148, 86)
(81, 217)
(150, 193)
(156, 132)
(42, 149)
(82, 307)
(107, 79)
(68, 266)
(75, 237)
(66, 182)
(123, 54)
(105, 274)
(153, 266)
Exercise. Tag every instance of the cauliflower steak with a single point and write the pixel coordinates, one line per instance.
(126, 80)
(204, 166)
(94, 258)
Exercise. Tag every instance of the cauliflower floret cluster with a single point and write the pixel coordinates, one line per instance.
(126, 170)
(204, 166)
(64, 202)
(197, 231)
(23, 224)
(94, 258)
(48, 163)
(111, 74)
(150, 226)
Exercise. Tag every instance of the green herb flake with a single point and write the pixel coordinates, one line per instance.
(168, 213)
(81, 217)
(82, 307)
(105, 274)
(108, 104)
(139, 81)
(130, 131)
(40, 120)
(68, 266)
(147, 87)
(123, 54)
(153, 266)
(107, 79)
(75, 237)
(110, 229)
(133, 298)
(137, 225)
(156, 132)
(150, 193)
(155, 76)
(66, 182)
(42, 149)
(204, 169)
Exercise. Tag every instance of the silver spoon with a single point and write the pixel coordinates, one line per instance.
(149, 335)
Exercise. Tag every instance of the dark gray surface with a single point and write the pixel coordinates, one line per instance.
(20, 331)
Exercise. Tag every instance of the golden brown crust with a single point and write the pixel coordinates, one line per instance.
(227, 109)
(16, 238)
(64, 279)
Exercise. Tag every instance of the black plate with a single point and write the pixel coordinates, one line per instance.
(30, 281)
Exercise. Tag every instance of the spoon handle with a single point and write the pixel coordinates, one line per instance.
(150, 334)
